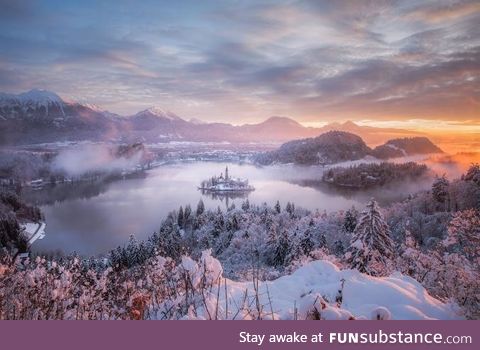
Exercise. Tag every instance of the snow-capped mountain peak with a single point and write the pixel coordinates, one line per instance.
(93, 107)
(42, 97)
(33, 99)
(160, 112)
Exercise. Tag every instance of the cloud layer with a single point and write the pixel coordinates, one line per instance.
(242, 61)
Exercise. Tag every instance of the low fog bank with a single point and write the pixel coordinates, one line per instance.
(55, 165)
(84, 159)
(453, 166)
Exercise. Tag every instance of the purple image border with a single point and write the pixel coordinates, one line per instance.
(206, 335)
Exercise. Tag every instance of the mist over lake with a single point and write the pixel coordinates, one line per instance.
(93, 218)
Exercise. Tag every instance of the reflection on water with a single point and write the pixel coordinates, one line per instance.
(384, 195)
(94, 217)
(50, 194)
(225, 197)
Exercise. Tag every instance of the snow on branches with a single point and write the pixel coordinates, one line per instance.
(371, 247)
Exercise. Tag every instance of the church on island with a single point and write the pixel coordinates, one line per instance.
(225, 184)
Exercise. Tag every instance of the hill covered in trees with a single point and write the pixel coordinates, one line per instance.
(330, 147)
(367, 175)
(339, 146)
(405, 147)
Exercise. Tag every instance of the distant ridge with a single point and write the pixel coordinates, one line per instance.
(371, 135)
(39, 116)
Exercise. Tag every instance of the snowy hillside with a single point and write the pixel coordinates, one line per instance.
(312, 292)
(160, 113)
(42, 116)
(330, 147)
(340, 146)
(34, 98)
(405, 147)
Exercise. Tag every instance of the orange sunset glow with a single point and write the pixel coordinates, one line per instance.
(410, 65)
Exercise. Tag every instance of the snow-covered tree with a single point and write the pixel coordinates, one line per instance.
(306, 242)
(473, 174)
(180, 218)
(170, 239)
(440, 190)
(322, 241)
(218, 224)
(232, 223)
(410, 241)
(350, 221)
(200, 207)
(187, 215)
(290, 208)
(371, 248)
(338, 248)
(278, 209)
(281, 248)
(464, 231)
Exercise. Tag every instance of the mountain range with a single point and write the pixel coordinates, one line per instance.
(39, 116)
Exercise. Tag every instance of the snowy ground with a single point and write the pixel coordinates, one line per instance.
(313, 290)
(34, 231)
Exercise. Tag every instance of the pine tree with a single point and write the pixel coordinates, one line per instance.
(473, 174)
(322, 241)
(290, 208)
(278, 209)
(180, 218)
(132, 251)
(271, 244)
(232, 223)
(172, 243)
(218, 224)
(246, 205)
(350, 221)
(200, 208)
(187, 215)
(338, 248)
(371, 248)
(440, 189)
(282, 249)
(269, 222)
(306, 242)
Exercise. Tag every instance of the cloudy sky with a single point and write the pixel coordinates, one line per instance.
(412, 63)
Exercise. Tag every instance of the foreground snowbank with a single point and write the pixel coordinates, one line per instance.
(362, 295)
(313, 292)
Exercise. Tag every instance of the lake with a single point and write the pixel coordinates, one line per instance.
(91, 218)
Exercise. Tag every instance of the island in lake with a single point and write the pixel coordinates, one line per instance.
(223, 184)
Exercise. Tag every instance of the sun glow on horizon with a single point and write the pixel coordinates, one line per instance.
(417, 125)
